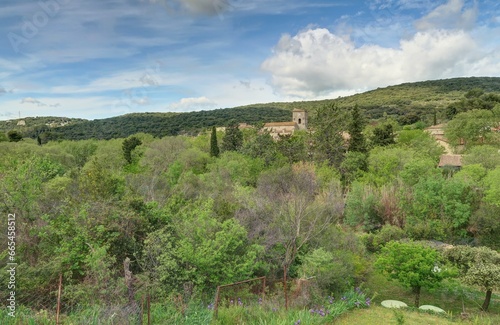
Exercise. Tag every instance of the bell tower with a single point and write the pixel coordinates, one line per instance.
(300, 118)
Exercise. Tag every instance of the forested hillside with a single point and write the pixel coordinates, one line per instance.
(428, 101)
(173, 217)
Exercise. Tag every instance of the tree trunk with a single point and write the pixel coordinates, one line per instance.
(416, 291)
(487, 300)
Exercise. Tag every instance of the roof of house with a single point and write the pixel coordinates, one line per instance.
(450, 160)
(279, 124)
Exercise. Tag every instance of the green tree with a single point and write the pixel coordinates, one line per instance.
(356, 126)
(470, 127)
(214, 147)
(233, 139)
(383, 135)
(128, 145)
(479, 266)
(14, 136)
(329, 142)
(492, 192)
(413, 265)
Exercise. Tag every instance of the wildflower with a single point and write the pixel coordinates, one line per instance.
(260, 301)
(232, 301)
(357, 303)
(297, 322)
(210, 306)
(312, 311)
(275, 309)
(344, 298)
(368, 302)
(239, 302)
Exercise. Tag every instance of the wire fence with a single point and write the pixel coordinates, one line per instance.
(136, 302)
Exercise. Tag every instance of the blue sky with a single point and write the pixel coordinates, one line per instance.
(96, 59)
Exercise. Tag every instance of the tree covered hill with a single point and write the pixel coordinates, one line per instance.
(406, 102)
(419, 98)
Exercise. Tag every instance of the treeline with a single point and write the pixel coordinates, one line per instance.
(429, 102)
(160, 125)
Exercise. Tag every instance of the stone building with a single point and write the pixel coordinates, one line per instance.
(299, 122)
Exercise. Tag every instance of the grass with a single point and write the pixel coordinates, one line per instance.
(271, 312)
(452, 297)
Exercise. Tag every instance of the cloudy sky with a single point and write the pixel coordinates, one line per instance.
(95, 59)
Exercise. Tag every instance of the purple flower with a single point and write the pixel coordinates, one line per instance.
(357, 303)
(210, 306)
(260, 301)
(368, 302)
(297, 322)
(343, 298)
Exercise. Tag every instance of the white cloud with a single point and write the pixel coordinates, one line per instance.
(449, 15)
(31, 100)
(317, 62)
(192, 104)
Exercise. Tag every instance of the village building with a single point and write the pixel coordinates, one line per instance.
(277, 129)
(450, 161)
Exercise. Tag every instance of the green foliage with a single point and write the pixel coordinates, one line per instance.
(128, 145)
(383, 135)
(333, 271)
(413, 265)
(492, 193)
(439, 209)
(233, 139)
(471, 127)
(329, 126)
(214, 147)
(479, 266)
(421, 142)
(485, 155)
(200, 250)
(355, 129)
(384, 164)
(355, 164)
(14, 136)
(362, 208)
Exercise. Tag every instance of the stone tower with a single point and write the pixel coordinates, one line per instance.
(300, 118)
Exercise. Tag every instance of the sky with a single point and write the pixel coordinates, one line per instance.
(95, 59)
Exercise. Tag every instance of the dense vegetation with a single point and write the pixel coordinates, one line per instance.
(427, 101)
(327, 213)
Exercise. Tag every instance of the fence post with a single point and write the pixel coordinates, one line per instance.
(59, 299)
(216, 301)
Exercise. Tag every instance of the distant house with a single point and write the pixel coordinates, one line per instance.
(21, 123)
(450, 161)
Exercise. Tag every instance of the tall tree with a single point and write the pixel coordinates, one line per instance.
(214, 147)
(356, 125)
(329, 142)
(129, 145)
(233, 139)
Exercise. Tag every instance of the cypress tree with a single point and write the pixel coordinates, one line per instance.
(214, 147)
(357, 139)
